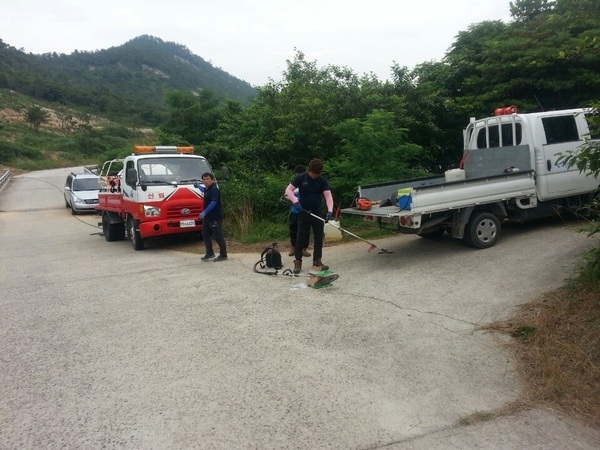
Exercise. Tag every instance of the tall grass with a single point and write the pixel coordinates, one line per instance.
(556, 343)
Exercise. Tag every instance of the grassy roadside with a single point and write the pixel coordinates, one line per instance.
(556, 344)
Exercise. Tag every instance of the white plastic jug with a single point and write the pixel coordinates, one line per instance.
(331, 232)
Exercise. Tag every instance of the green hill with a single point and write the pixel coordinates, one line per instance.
(125, 83)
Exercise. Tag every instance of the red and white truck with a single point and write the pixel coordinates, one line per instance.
(151, 193)
(511, 170)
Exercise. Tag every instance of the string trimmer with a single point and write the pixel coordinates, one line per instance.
(372, 246)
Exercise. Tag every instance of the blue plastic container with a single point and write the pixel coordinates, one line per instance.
(404, 202)
(404, 198)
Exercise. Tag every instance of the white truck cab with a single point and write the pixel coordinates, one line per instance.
(533, 141)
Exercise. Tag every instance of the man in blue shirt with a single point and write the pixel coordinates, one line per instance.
(212, 219)
(312, 186)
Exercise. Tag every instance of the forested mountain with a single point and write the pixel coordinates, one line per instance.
(122, 82)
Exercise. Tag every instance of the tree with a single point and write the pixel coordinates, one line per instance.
(432, 120)
(374, 150)
(36, 116)
(526, 10)
(67, 121)
(194, 117)
(549, 61)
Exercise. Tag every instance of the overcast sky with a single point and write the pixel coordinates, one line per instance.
(253, 39)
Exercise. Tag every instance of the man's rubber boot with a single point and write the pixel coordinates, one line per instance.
(318, 281)
(297, 266)
(318, 266)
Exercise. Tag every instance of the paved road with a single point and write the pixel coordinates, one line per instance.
(105, 347)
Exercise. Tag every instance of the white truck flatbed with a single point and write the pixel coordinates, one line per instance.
(435, 195)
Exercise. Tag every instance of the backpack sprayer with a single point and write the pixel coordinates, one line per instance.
(270, 264)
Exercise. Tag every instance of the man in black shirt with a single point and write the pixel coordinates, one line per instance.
(312, 186)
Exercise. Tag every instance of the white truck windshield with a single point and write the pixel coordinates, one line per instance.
(171, 170)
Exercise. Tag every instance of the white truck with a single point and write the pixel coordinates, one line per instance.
(511, 170)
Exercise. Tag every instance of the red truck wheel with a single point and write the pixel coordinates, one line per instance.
(134, 235)
(109, 229)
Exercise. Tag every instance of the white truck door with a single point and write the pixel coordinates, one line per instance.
(129, 189)
(559, 135)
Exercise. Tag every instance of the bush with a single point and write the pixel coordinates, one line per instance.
(250, 197)
(8, 151)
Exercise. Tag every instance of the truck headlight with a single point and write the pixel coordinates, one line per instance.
(151, 211)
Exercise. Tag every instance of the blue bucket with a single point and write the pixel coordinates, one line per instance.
(404, 198)
(404, 202)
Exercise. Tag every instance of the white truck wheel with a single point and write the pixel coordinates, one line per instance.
(482, 231)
